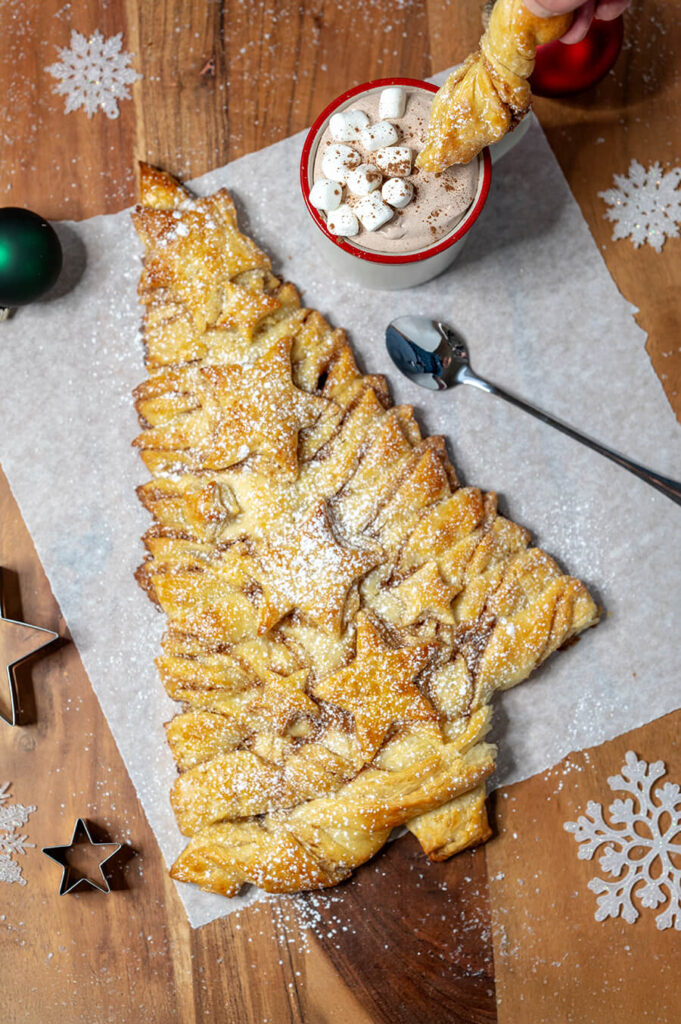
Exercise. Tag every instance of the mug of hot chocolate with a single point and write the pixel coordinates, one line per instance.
(381, 220)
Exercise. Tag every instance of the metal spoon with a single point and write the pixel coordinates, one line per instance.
(434, 356)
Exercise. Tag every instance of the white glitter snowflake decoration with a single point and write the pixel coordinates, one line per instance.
(646, 205)
(642, 856)
(94, 73)
(12, 817)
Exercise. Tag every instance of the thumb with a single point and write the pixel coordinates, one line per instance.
(549, 8)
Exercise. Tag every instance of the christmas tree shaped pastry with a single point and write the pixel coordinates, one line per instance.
(339, 610)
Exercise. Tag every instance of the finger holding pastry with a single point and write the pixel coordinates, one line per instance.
(585, 13)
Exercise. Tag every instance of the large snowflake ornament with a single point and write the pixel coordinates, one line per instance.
(642, 856)
(12, 817)
(94, 73)
(646, 205)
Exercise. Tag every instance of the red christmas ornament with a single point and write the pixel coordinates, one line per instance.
(561, 70)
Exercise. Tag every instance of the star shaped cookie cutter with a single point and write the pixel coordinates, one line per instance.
(73, 877)
(25, 640)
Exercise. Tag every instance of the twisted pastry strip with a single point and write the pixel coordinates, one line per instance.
(489, 93)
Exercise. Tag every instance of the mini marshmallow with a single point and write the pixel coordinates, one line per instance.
(398, 193)
(392, 102)
(342, 221)
(338, 161)
(347, 124)
(394, 161)
(373, 212)
(383, 133)
(364, 179)
(326, 194)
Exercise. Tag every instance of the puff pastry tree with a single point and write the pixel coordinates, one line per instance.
(340, 611)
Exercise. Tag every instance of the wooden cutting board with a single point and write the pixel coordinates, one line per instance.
(505, 932)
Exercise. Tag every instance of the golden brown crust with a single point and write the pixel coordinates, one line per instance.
(454, 826)
(340, 611)
(489, 93)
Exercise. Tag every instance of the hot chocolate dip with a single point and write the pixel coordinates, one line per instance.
(365, 184)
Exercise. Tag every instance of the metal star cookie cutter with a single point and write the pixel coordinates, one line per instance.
(27, 640)
(71, 876)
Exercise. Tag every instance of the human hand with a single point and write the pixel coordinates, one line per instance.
(603, 10)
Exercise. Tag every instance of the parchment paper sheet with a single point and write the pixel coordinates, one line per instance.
(542, 316)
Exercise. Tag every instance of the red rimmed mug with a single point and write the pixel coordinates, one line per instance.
(373, 269)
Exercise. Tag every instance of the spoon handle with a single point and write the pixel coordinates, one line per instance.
(661, 483)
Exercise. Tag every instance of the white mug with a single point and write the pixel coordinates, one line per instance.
(386, 271)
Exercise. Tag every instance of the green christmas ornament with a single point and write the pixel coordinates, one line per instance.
(30, 256)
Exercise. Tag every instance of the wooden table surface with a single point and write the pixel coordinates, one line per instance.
(505, 932)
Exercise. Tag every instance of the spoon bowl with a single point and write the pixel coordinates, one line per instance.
(429, 352)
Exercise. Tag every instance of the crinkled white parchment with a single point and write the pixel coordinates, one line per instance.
(542, 316)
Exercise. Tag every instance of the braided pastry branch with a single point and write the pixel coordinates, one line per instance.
(321, 842)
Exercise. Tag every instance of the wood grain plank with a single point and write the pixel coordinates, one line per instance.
(426, 925)
(404, 939)
(554, 961)
(241, 76)
(62, 165)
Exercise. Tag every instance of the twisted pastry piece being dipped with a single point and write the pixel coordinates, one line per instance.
(489, 93)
